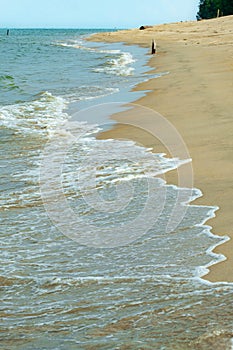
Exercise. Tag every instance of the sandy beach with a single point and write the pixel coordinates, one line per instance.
(196, 97)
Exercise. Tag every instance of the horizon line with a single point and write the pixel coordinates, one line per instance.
(86, 28)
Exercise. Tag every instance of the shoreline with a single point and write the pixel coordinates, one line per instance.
(196, 97)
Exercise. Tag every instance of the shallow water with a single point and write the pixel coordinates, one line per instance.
(122, 281)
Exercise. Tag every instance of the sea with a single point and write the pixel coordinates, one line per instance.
(87, 260)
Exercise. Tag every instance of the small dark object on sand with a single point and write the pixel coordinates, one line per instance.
(145, 27)
(153, 47)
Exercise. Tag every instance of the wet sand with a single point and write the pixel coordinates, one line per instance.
(196, 97)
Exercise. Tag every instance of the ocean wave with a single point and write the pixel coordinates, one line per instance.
(85, 92)
(117, 66)
(79, 44)
(46, 112)
(117, 62)
(42, 115)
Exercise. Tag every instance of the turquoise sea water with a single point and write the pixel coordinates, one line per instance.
(112, 287)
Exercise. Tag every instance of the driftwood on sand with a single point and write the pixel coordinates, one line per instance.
(145, 27)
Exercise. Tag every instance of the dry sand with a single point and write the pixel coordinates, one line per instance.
(197, 98)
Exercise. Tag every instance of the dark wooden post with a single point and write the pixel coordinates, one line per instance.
(153, 47)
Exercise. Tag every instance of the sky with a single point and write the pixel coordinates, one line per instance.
(94, 13)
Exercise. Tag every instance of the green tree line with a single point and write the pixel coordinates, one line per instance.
(213, 8)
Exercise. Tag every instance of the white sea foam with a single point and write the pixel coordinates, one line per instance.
(85, 93)
(40, 116)
(79, 44)
(117, 66)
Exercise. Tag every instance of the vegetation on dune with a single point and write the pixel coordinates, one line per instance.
(214, 8)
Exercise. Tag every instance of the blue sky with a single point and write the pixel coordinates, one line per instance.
(93, 13)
